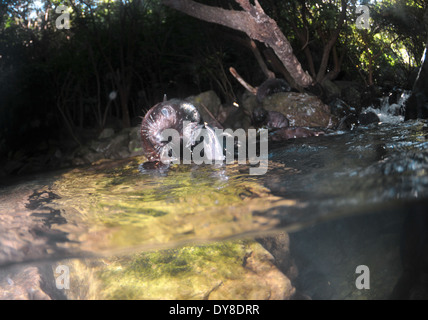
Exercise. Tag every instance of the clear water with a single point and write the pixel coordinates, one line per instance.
(341, 196)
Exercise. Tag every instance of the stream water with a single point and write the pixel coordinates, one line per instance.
(343, 198)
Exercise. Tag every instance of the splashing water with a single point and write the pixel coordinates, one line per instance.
(390, 113)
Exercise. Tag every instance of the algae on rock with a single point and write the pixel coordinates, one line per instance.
(227, 270)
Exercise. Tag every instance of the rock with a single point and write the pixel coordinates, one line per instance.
(368, 117)
(316, 90)
(207, 101)
(106, 133)
(134, 148)
(238, 118)
(117, 146)
(91, 157)
(78, 161)
(241, 270)
(261, 262)
(134, 145)
(270, 87)
(249, 101)
(302, 110)
(134, 133)
(279, 246)
(331, 90)
(23, 283)
(120, 153)
(353, 97)
(99, 146)
(340, 108)
(349, 122)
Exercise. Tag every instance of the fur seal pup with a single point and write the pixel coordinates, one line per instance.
(183, 117)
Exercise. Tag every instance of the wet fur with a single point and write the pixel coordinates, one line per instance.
(165, 115)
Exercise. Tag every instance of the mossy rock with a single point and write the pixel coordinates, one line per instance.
(227, 270)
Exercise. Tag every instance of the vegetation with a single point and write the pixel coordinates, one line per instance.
(118, 58)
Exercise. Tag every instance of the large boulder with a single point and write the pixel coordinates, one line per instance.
(301, 109)
(241, 270)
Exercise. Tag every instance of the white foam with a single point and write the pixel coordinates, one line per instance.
(390, 113)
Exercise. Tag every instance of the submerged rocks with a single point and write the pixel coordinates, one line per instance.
(23, 283)
(241, 270)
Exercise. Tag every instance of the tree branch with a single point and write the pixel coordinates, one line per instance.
(329, 45)
(252, 21)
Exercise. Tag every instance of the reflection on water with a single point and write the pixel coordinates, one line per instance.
(113, 207)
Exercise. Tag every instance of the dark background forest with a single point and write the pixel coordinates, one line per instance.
(60, 86)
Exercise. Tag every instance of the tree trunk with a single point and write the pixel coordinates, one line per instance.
(331, 42)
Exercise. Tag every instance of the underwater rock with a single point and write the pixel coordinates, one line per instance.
(279, 246)
(241, 270)
(23, 283)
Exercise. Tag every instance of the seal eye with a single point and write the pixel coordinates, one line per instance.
(165, 112)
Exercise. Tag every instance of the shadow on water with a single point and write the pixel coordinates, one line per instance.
(343, 197)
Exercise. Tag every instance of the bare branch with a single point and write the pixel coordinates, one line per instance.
(242, 81)
(255, 23)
